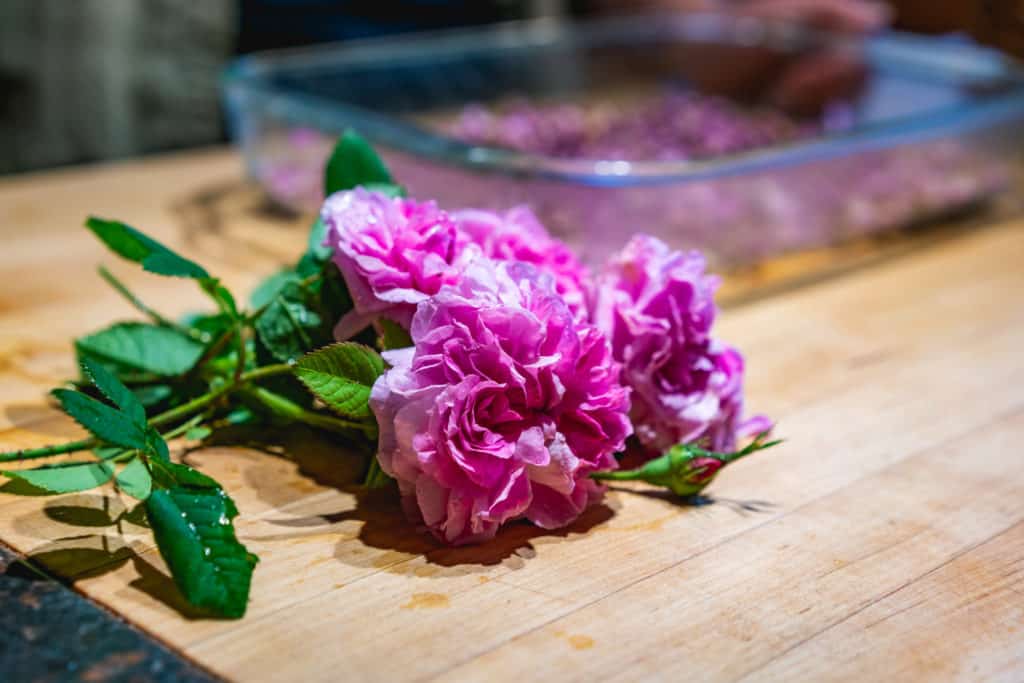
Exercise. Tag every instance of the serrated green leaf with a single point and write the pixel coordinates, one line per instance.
(267, 290)
(65, 477)
(288, 327)
(342, 375)
(111, 387)
(135, 246)
(142, 347)
(105, 423)
(135, 479)
(353, 162)
(195, 536)
(170, 475)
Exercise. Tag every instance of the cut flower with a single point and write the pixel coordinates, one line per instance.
(393, 254)
(657, 307)
(502, 408)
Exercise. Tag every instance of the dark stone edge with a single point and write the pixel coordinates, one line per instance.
(53, 633)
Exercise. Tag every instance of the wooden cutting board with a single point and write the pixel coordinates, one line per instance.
(883, 540)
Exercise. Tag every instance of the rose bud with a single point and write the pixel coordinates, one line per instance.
(686, 469)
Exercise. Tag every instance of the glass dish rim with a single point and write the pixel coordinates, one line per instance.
(247, 73)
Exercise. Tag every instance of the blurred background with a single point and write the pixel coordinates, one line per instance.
(88, 80)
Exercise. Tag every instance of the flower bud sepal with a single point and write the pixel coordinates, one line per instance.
(686, 469)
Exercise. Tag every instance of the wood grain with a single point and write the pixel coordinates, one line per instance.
(885, 539)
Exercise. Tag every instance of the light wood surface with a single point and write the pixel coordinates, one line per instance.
(883, 540)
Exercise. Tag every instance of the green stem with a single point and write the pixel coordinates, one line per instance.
(184, 427)
(169, 416)
(281, 406)
(46, 451)
(617, 475)
(141, 306)
(186, 409)
(240, 364)
(266, 371)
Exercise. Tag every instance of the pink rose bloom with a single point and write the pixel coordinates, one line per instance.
(501, 409)
(393, 254)
(657, 307)
(517, 235)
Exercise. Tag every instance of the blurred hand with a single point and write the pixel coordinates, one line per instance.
(801, 84)
(806, 84)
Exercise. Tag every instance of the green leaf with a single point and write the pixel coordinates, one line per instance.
(152, 394)
(342, 375)
(143, 347)
(220, 294)
(316, 253)
(156, 446)
(171, 475)
(195, 536)
(198, 433)
(108, 452)
(267, 290)
(386, 189)
(393, 335)
(65, 477)
(288, 327)
(111, 387)
(211, 326)
(353, 162)
(135, 480)
(133, 245)
(102, 421)
(333, 298)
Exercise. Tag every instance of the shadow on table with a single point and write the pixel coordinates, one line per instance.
(38, 417)
(85, 556)
(386, 527)
(69, 562)
(743, 507)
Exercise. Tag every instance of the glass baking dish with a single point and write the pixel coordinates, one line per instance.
(930, 128)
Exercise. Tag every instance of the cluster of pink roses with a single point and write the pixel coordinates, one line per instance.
(526, 375)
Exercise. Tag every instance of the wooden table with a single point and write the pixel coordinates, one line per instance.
(883, 540)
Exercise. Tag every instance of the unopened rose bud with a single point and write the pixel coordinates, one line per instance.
(686, 469)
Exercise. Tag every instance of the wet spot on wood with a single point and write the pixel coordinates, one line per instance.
(581, 642)
(425, 571)
(576, 641)
(427, 601)
(482, 579)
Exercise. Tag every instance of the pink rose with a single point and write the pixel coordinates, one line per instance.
(501, 409)
(517, 235)
(393, 254)
(657, 308)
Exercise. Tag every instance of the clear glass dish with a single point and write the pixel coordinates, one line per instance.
(931, 128)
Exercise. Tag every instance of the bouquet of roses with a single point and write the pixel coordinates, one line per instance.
(492, 375)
